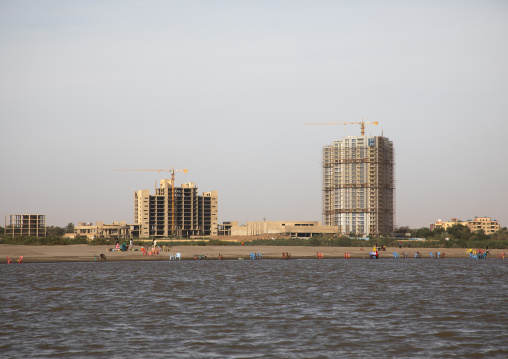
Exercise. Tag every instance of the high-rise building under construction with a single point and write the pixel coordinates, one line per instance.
(177, 211)
(359, 185)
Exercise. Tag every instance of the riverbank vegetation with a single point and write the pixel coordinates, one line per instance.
(458, 236)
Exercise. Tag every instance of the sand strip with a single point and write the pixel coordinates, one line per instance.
(87, 253)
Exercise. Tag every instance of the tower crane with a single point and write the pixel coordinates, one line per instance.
(362, 124)
(172, 170)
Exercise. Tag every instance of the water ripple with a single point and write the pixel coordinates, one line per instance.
(256, 309)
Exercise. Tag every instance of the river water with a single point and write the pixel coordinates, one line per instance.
(332, 308)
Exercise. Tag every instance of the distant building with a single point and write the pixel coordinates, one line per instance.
(29, 225)
(483, 223)
(183, 212)
(445, 225)
(288, 228)
(478, 223)
(359, 185)
(119, 230)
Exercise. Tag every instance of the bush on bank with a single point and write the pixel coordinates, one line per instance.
(457, 236)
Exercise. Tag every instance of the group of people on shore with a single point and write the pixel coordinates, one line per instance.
(123, 247)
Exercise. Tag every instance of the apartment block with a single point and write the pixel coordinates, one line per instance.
(30, 225)
(179, 211)
(359, 185)
(486, 224)
(483, 223)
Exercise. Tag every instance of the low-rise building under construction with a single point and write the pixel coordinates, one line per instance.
(29, 225)
(301, 229)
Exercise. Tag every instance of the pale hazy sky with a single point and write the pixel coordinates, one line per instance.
(224, 88)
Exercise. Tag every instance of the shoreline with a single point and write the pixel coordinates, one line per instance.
(87, 253)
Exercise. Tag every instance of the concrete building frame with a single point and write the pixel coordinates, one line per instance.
(30, 225)
(194, 214)
(359, 185)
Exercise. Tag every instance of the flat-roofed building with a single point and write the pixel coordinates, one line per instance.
(28, 225)
(179, 211)
(289, 228)
(483, 223)
(100, 230)
(445, 225)
(486, 224)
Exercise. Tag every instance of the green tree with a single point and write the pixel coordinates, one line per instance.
(53, 231)
(502, 234)
(479, 236)
(439, 230)
(314, 241)
(459, 231)
(69, 228)
(403, 229)
(423, 232)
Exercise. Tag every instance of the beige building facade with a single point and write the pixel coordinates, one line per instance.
(120, 230)
(445, 225)
(179, 211)
(28, 225)
(288, 228)
(486, 224)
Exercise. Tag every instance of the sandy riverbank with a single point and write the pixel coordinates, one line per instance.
(85, 253)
